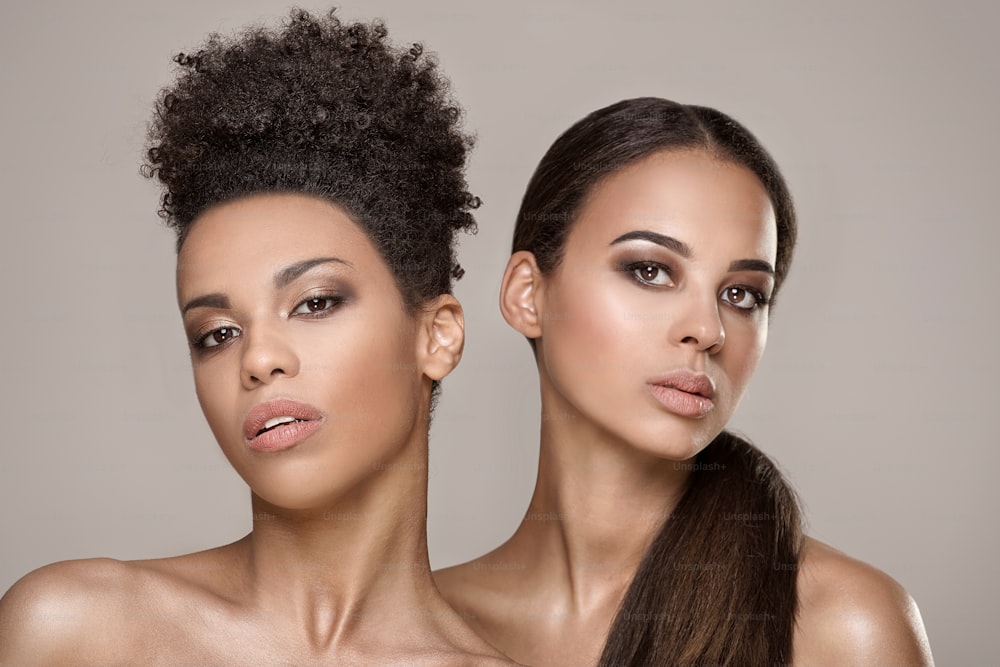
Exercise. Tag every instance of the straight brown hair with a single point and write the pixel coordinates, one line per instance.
(717, 584)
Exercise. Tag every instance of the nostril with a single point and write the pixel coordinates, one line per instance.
(275, 372)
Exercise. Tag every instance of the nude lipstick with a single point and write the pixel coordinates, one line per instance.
(684, 393)
(280, 424)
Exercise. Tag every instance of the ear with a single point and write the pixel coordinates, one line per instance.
(441, 336)
(520, 294)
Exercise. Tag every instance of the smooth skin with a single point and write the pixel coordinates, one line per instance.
(612, 316)
(283, 296)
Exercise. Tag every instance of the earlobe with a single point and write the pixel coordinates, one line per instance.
(442, 336)
(520, 294)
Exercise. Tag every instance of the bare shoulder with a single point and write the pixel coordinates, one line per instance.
(103, 610)
(851, 613)
(487, 577)
(477, 590)
(485, 661)
(453, 581)
(489, 594)
(470, 660)
(480, 593)
(55, 614)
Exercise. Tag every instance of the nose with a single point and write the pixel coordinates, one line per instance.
(700, 325)
(267, 355)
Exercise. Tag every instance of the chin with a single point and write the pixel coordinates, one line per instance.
(301, 500)
(672, 454)
(676, 444)
(307, 488)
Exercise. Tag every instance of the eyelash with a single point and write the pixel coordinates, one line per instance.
(198, 343)
(632, 268)
(761, 301)
(334, 299)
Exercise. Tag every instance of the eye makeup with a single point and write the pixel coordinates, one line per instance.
(645, 269)
(648, 273)
(214, 337)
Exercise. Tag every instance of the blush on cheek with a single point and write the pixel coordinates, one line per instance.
(379, 385)
(583, 330)
(209, 398)
(592, 315)
(741, 367)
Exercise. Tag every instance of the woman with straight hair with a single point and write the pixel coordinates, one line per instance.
(649, 248)
(314, 176)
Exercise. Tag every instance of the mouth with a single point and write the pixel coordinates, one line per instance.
(280, 424)
(274, 423)
(689, 382)
(684, 393)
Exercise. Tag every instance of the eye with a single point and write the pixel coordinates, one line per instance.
(216, 337)
(743, 298)
(317, 304)
(650, 273)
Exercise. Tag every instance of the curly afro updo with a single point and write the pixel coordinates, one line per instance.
(327, 109)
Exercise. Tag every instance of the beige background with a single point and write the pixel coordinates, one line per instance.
(878, 391)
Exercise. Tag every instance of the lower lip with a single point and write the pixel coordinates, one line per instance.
(681, 402)
(284, 436)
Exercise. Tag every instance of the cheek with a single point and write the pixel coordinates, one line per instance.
(216, 395)
(743, 351)
(367, 370)
(591, 330)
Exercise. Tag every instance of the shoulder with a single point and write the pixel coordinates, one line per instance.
(474, 588)
(464, 659)
(103, 610)
(851, 613)
(451, 581)
(481, 592)
(460, 584)
(56, 613)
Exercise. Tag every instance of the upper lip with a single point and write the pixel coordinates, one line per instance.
(687, 381)
(279, 407)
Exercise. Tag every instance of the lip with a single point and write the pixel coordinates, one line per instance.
(285, 435)
(684, 393)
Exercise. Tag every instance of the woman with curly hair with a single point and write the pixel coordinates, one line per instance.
(648, 250)
(315, 178)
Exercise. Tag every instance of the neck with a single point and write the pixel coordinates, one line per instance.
(339, 571)
(598, 503)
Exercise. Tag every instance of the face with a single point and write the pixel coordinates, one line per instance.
(656, 318)
(305, 359)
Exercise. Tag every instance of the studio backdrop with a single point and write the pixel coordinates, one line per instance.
(877, 391)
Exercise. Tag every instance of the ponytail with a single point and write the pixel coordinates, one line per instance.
(717, 585)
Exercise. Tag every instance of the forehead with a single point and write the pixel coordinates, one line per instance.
(254, 236)
(713, 205)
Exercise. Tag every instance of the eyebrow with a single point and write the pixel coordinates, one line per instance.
(206, 301)
(668, 242)
(286, 275)
(282, 277)
(684, 250)
(752, 265)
